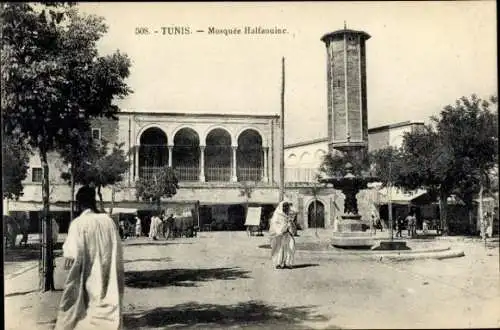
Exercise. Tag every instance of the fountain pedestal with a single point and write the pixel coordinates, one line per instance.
(351, 232)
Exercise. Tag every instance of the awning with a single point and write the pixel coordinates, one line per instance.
(19, 206)
(397, 196)
(118, 210)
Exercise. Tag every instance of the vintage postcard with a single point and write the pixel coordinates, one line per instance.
(263, 165)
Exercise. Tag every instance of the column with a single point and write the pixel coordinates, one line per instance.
(170, 152)
(234, 177)
(265, 177)
(136, 162)
(202, 163)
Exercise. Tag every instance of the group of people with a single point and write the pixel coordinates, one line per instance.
(410, 223)
(93, 298)
(160, 224)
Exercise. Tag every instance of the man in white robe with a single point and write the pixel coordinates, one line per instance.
(93, 292)
(154, 227)
(282, 241)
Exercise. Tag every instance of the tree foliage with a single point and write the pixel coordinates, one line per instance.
(100, 166)
(53, 82)
(386, 165)
(164, 183)
(15, 158)
(335, 164)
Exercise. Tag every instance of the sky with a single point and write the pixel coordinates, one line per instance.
(421, 57)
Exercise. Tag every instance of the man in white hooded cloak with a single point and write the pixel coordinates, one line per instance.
(93, 291)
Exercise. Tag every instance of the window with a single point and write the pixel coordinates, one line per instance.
(36, 174)
(96, 134)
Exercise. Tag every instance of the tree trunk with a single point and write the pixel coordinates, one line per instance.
(471, 222)
(112, 200)
(101, 202)
(481, 211)
(443, 207)
(47, 274)
(72, 202)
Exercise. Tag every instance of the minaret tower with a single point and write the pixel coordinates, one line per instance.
(346, 79)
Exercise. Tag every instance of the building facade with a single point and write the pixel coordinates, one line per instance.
(214, 156)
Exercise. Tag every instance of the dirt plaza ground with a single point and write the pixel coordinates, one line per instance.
(224, 280)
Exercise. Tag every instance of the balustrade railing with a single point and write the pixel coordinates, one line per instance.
(216, 173)
(148, 172)
(301, 174)
(212, 173)
(187, 173)
(249, 173)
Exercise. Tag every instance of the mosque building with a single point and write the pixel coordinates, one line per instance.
(225, 162)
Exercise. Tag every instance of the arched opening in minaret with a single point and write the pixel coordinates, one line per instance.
(218, 155)
(153, 152)
(186, 155)
(250, 156)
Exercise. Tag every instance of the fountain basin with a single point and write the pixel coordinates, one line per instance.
(353, 240)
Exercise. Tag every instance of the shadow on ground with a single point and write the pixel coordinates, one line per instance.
(15, 294)
(28, 253)
(180, 277)
(166, 259)
(151, 243)
(251, 314)
(304, 266)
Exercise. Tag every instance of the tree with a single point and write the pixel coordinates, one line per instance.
(458, 149)
(246, 191)
(334, 163)
(164, 183)
(53, 82)
(15, 158)
(469, 129)
(100, 167)
(386, 165)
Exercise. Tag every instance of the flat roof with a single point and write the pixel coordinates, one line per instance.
(195, 114)
(370, 130)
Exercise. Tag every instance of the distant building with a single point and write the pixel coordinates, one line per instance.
(303, 159)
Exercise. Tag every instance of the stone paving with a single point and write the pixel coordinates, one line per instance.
(223, 280)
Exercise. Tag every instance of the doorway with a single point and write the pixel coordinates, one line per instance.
(316, 215)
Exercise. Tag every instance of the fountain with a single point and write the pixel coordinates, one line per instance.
(351, 231)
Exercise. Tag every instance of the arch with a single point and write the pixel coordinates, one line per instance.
(319, 154)
(250, 156)
(292, 159)
(305, 158)
(183, 127)
(316, 216)
(246, 128)
(214, 127)
(145, 128)
(218, 155)
(153, 151)
(186, 153)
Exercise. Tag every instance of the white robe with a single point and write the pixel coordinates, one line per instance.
(93, 292)
(282, 241)
(155, 227)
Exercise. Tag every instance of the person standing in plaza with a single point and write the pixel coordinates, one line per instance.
(154, 227)
(399, 226)
(168, 225)
(93, 291)
(282, 241)
(409, 221)
(138, 227)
